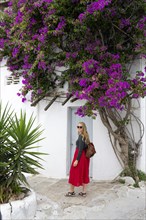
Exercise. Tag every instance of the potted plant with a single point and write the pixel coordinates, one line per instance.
(18, 152)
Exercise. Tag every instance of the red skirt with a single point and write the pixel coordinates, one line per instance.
(79, 175)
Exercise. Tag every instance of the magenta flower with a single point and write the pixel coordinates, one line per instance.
(97, 6)
(41, 38)
(140, 74)
(10, 3)
(83, 82)
(21, 2)
(42, 65)
(25, 81)
(2, 43)
(82, 17)
(19, 17)
(48, 1)
(142, 23)
(39, 91)
(81, 111)
(23, 99)
(51, 12)
(61, 24)
(124, 22)
(71, 55)
(90, 66)
(135, 96)
(15, 52)
(92, 47)
(29, 87)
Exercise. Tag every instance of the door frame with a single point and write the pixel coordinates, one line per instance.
(69, 130)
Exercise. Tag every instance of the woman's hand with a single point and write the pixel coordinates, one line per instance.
(75, 163)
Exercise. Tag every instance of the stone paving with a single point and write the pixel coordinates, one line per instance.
(104, 200)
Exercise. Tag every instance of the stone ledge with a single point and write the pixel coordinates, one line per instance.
(20, 209)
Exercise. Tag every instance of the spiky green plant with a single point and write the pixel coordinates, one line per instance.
(18, 139)
(5, 115)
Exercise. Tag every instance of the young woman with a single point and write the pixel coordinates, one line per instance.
(79, 171)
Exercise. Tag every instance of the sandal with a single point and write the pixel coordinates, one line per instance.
(70, 194)
(82, 194)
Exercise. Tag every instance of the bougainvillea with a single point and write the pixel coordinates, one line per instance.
(95, 41)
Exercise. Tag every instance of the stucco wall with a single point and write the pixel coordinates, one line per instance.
(105, 164)
(141, 162)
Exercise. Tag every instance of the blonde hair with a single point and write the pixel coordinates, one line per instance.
(84, 133)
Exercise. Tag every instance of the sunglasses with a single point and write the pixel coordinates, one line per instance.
(79, 127)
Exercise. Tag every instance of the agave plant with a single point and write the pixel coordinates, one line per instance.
(5, 115)
(18, 139)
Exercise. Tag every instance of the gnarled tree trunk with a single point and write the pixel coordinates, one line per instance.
(121, 133)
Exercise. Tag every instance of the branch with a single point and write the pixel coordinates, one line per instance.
(101, 35)
(18, 60)
(122, 31)
(107, 124)
(122, 141)
(128, 112)
(139, 122)
(115, 150)
(113, 117)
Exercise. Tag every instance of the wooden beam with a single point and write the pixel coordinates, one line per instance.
(74, 99)
(37, 100)
(51, 102)
(67, 99)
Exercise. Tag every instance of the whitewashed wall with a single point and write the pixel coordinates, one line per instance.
(141, 162)
(54, 121)
(8, 93)
(105, 164)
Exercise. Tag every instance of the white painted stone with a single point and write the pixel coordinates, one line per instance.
(142, 184)
(5, 211)
(20, 209)
(128, 180)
